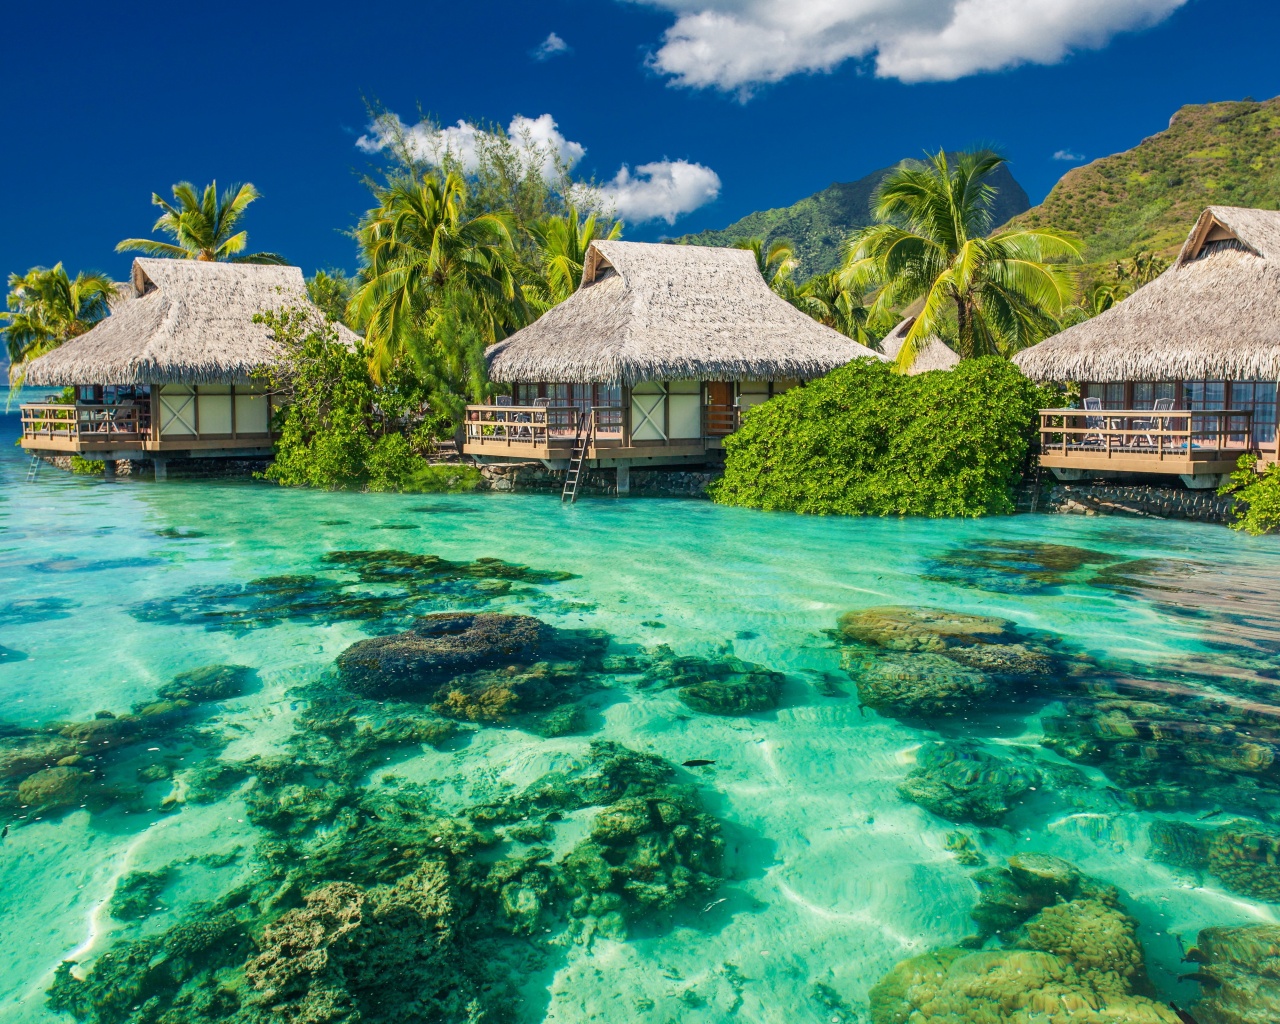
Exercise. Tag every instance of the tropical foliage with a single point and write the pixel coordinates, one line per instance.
(776, 261)
(830, 301)
(865, 440)
(984, 295)
(560, 251)
(331, 290)
(1257, 509)
(340, 428)
(46, 307)
(203, 227)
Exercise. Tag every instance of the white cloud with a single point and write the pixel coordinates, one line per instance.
(1068, 156)
(538, 140)
(738, 44)
(550, 47)
(657, 191)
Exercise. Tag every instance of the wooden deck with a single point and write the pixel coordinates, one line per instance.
(512, 433)
(106, 430)
(1186, 442)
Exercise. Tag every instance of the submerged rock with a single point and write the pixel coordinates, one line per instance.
(714, 686)
(440, 648)
(906, 628)
(1015, 567)
(1071, 958)
(1240, 975)
(53, 788)
(963, 783)
(136, 894)
(1243, 855)
(210, 683)
(918, 685)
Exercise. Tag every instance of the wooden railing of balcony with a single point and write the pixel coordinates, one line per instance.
(86, 423)
(527, 425)
(720, 420)
(1121, 433)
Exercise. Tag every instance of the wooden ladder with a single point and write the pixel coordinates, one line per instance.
(34, 468)
(581, 439)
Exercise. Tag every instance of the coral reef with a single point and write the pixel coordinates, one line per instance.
(1243, 855)
(439, 648)
(52, 788)
(926, 662)
(1239, 975)
(1072, 957)
(960, 782)
(724, 686)
(136, 894)
(209, 683)
(1015, 567)
(406, 585)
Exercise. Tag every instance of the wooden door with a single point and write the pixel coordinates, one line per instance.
(720, 415)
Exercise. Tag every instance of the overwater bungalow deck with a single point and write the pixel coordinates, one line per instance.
(1181, 377)
(653, 360)
(172, 372)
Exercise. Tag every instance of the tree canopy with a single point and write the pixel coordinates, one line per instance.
(46, 307)
(203, 227)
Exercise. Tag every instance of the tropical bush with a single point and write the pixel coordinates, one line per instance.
(865, 440)
(338, 428)
(1257, 509)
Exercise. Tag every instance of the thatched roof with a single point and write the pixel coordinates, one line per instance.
(1213, 315)
(935, 354)
(648, 311)
(179, 322)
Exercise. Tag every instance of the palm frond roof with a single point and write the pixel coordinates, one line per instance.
(652, 311)
(180, 322)
(934, 354)
(1213, 315)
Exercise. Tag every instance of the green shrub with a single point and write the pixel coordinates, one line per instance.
(1257, 509)
(87, 467)
(865, 440)
(442, 479)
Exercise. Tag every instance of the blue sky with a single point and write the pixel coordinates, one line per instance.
(715, 108)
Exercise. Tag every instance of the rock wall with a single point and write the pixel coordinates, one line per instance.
(179, 469)
(1138, 500)
(534, 477)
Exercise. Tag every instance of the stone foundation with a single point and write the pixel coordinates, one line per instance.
(177, 469)
(1138, 500)
(534, 477)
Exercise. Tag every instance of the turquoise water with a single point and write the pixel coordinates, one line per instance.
(829, 876)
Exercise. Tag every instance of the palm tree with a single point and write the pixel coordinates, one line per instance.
(46, 307)
(1139, 269)
(830, 302)
(985, 295)
(560, 250)
(202, 227)
(421, 250)
(776, 262)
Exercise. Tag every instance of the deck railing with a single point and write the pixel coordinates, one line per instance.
(86, 423)
(527, 425)
(1121, 433)
(720, 420)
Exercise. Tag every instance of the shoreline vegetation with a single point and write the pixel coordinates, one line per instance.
(454, 258)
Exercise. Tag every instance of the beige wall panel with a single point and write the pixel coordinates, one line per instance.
(215, 411)
(685, 387)
(746, 401)
(685, 415)
(251, 413)
(649, 387)
(754, 387)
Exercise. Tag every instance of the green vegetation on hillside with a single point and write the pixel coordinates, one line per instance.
(1147, 198)
(818, 226)
(865, 440)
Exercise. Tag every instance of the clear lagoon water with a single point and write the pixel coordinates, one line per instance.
(827, 875)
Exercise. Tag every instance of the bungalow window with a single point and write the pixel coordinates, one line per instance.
(1111, 395)
(1258, 397)
(1145, 394)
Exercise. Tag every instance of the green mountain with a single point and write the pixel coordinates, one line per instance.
(1224, 154)
(817, 226)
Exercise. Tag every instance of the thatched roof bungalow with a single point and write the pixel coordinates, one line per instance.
(1203, 337)
(935, 354)
(668, 344)
(170, 371)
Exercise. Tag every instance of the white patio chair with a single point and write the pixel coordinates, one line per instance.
(1151, 423)
(1094, 423)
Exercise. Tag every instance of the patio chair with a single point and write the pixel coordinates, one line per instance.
(1094, 423)
(1159, 423)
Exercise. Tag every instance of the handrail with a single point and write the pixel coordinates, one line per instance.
(1148, 432)
(538, 425)
(85, 422)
